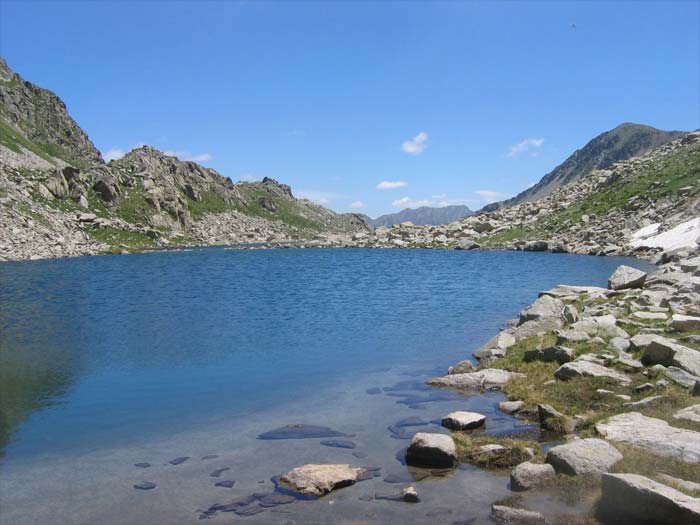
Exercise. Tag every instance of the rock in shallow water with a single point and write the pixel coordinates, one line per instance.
(338, 443)
(299, 431)
(503, 514)
(432, 450)
(317, 480)
(142, 465)
(584, 457)
(463, 420)
(227, 483)
(529, 475)
(219, 471)
(179, 461)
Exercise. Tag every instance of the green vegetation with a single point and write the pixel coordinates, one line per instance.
(13, 140)
(286, 211)
(210, 202)
(516, 450)
(507, 236)
(117, 238)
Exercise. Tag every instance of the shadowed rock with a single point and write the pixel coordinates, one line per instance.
(145, 485)
(219, 471)
(142, 465)
(179, 461)
(227, 483)
(338, 443)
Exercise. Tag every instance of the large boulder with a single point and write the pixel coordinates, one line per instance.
(602, 326)
(545, 306)
(631, 498)
(626, 277)
(529, 475)
(463, 420)
(432, 450)
(583, 457)
(587, 369)
(681, 377)
(654, 435)
(662, 351)
(684, 323)
(480, 380)
(317, 480)
(541, 326)
(536, 246)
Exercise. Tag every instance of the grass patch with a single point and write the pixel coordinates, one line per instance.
(115, 238)
(651, 465)
(516, 453)
(209, 202)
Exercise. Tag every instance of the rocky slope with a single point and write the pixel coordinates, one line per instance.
(605, 213)
(425, 215)
(58, 197)
(622, 143)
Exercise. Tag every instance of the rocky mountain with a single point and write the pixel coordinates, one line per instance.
(622, 143)
(639, 207)
(59, 198)
(423, 216)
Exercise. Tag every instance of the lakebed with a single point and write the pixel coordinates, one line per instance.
(113, 361)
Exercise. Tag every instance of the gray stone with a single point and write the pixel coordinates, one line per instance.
(619, 345)
(635, 498)
(570, 314)
(511, 407)
(544, 325)
(626, 277)
(432, 450)
(587, 369)
(684, 323)
(461, 368)
(572, 336)
(666, 352)
(584, 457)
(679, 483)
(410, 495)
(482, 379)
(317, 480)
(463, 420)
(654, 435)
(691, 413)
(528, 475)
(560, 354)
(640, 342)
(504, 514)
(551, 419)
(681, 377)
(545, 306)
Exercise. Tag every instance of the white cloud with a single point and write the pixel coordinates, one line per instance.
(319, 197)
(113, 154)
(249, 177)
(186, 155)
(436, 201)
(416, 145)
(391, 185)
(525, 145)
(358, 205)
(489, 196)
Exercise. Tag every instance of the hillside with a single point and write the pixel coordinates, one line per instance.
(59, 198)
(604, 213)
(622, 143)
(422, 216)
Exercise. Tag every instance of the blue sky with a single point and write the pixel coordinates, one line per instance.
(442, 102)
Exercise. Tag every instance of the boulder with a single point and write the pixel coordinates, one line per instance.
(602, 326)
(504, 514)
(684, 323)
(570, 314)
(636, 499)
(560, 354)
(681, 377)
(691, 413)
(537, 327)
(482, 379)
(317, 480)
(640, 342)
(666, 352)
(587, 369)
(654, 435)
(572, 336)
(467, 244)
(463, 420)
(545, 306)
(461, 368)
(583, 457)
(528, 475)
(626, 277)
(553, 420)
(511, 407)
(536, 246)
(432, 451)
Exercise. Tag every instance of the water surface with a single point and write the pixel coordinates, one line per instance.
(108, 361)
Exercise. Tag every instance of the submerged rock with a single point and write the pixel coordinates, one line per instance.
(227, 483)
(142, 465)
(338, 443)
(179, 461)
(317, 480)
(219, 471)
(504, 514)
(641, 500)
(299, 431)
(145, 485)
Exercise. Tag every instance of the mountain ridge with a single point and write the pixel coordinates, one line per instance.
(423, 215)
(623, 142)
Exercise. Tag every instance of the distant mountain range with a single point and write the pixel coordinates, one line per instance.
(425, 215)
(622, 143)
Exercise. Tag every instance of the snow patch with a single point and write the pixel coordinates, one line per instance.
(682, 236)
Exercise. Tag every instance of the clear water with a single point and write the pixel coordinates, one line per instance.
(109, 361)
